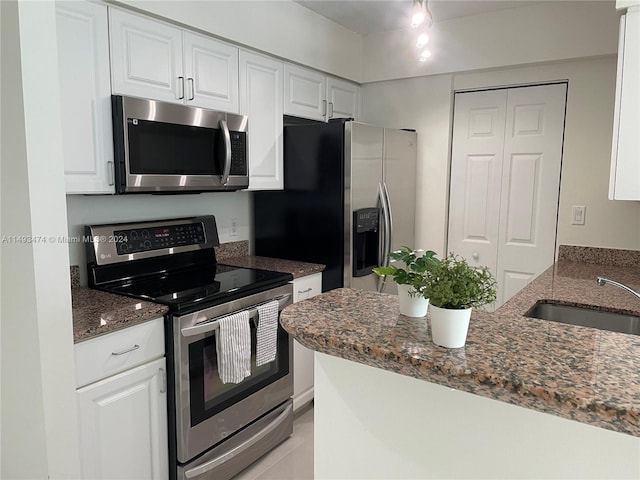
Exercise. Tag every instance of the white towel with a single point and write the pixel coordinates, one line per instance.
(267, 341)
(233, 345)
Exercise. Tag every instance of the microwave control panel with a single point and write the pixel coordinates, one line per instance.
(238, 153)
(154, 238)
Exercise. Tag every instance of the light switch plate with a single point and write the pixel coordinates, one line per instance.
(578, 213)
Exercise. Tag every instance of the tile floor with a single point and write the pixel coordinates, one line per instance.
(292, 459)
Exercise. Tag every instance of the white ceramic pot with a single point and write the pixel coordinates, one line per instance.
(415, 306)
(449, 327)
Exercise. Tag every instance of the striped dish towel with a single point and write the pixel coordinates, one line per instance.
(267, 341)
(233, 345)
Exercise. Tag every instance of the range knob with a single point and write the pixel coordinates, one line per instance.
(146, 244)
(124, 247)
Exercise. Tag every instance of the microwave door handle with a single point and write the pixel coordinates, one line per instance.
(224, 178)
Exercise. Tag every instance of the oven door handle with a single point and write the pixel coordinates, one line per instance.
(246, 445)
(212, 325)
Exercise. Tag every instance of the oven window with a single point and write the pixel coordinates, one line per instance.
(157, 148)
(209, 396)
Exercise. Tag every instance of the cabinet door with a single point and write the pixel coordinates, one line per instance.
(625, 152)
(146, 58)
(261, 101)
(343, 99)
(303, 288)
(85, 97)
(123, 425)
(211, 73)
(304, 93)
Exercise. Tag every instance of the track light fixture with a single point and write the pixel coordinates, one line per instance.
(421, 17)
(421, 14)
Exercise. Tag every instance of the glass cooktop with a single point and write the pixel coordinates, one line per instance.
(199, 286)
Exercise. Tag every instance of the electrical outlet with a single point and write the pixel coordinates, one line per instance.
(577, 214)
(233, 231)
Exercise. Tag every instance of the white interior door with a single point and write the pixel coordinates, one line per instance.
(505, 177)
(476, 175)
(530, 185)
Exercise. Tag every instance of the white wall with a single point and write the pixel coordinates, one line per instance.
(38, 388)
(425, 103)
(92, 210)
(277, 27)
(548, 31)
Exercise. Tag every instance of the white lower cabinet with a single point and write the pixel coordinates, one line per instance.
(303, 288)
(123, 417)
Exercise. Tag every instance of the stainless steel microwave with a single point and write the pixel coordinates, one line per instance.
(169, 148)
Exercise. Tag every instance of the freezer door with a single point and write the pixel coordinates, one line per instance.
(363, 179)
(399, 177)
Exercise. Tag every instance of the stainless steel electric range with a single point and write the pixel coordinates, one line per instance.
(215, 429)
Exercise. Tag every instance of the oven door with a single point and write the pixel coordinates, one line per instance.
(207, 410)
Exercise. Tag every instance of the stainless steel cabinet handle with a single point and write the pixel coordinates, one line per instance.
(181, 86)
(384, 233)
(135, 347)
(163, 380)
(193, 89)
(207, 467)
(305, 291)
(324, 108)
(111, 166)
(330, 109)
(227, 152)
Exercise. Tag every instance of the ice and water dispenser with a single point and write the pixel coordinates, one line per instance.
(365, 240)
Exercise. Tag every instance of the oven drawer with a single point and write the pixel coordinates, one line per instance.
(116, 352)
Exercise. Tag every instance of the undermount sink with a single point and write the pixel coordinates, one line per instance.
(586, 317)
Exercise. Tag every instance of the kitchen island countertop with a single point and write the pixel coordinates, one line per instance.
(588, 375)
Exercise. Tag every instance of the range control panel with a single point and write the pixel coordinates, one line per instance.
(153, 238)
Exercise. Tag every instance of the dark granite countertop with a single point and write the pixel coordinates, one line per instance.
(96, 313)
(297, 269)
(588, 375)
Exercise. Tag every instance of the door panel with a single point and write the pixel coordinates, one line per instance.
(364, 146)
(400, 156)
(531, 182)
(476, 175)
(505, 174)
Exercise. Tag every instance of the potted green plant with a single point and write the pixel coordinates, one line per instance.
(410, 278)
(453, 289)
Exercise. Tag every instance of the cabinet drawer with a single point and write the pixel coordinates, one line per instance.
(307, 287)
(115, 352)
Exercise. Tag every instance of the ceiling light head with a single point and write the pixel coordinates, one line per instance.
(424, 55)
(423, 39)
(421, 14)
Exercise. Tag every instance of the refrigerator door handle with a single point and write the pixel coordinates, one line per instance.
(389, 223)
(384, 234)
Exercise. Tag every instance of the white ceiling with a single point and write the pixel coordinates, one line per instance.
(374, 16)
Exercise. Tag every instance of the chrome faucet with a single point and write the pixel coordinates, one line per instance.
(603, 281)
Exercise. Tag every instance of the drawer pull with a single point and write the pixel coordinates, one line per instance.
(305, 291)
(135, 347)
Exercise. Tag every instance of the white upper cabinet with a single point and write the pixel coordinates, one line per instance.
(146, 58)
(85, 97)
(311, 94)
(151, 59)
(261, 100)
(211, 73)
(625, 152)
(343, 99)
(304, 93)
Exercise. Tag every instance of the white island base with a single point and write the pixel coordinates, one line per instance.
(374, 424)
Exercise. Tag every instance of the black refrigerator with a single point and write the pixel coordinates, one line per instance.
(348, 200)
